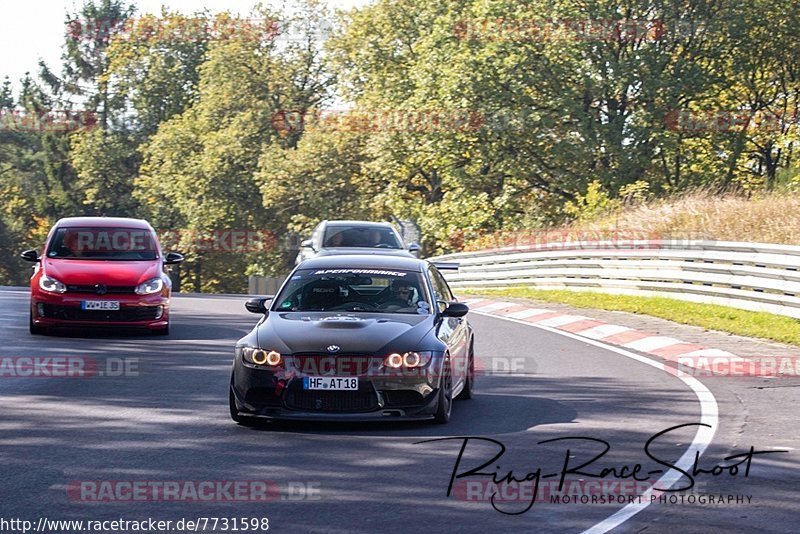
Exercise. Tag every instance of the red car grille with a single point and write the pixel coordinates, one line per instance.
(127, 314)
(94, 289)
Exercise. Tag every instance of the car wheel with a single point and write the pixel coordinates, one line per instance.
(35, 329)
(242, 420)
(469, 384)
(445, 405)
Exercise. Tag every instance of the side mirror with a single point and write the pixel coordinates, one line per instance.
(173, 258)
(307, 243)
(258, 305)
(30, 255)
(455, 309)
(414, 248)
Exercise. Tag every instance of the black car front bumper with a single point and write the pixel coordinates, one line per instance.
(275, 395)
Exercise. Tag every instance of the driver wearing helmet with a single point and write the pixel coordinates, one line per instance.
(401, 293)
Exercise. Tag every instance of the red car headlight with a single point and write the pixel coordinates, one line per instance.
(154, 285)
(51, 285)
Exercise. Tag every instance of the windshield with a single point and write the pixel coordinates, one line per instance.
(359, 290)
(103, 244)
(360, 236)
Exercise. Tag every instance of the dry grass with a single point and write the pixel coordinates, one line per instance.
(768, 218)
(765, 218)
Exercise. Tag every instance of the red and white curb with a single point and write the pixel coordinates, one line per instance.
(666, 348)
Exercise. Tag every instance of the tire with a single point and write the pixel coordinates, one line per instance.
(35, 329)
(444, 406)
(469, 386)
(162, 331)
(242, 420)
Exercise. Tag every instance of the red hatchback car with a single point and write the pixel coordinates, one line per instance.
(101, 271)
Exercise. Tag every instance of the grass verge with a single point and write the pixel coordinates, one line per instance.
(710, 316)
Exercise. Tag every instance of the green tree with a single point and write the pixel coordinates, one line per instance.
(154, 66)
(199, 168)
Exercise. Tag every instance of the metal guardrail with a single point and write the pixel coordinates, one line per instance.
(264, 285)
(750, 276)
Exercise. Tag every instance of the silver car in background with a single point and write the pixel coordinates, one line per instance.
(355, 237)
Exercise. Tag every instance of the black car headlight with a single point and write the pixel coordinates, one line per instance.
(408, 360)
(259, 356)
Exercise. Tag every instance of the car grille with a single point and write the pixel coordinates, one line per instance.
(102, 291)
(403, 398)
(338, 365)
(127, 314)
(331, 401)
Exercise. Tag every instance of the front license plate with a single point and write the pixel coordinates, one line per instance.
(100, 305)
(334, 383)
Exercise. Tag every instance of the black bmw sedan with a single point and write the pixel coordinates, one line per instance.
(355, 338)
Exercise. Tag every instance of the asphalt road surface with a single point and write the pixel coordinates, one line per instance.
(159, 416)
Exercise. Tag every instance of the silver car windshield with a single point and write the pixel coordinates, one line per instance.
(360, 236)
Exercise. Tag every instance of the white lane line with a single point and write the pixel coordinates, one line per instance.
(524, 314)
(561, 320)
(651, 343)
(709, 353)
(472, 301)
(709, 419)
(492, 307)
(603, 331)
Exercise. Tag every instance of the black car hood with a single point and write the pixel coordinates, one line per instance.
(294, 332)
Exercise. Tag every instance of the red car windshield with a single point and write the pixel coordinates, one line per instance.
(124, 244)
